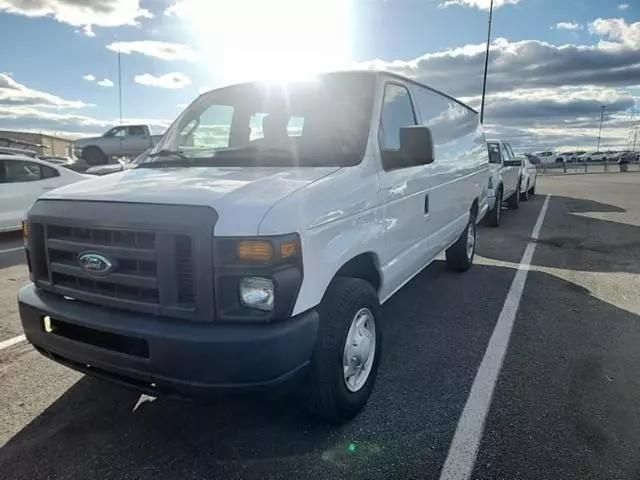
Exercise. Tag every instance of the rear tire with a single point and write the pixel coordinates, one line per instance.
(332, 395)
(514, 200)
(460, 254)
(94, 156)
(532, 191)
(492, 218)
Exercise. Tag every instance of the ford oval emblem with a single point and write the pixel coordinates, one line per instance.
(95, 263)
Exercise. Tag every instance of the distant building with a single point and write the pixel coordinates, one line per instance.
(39, 142)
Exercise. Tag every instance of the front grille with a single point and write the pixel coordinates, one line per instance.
(161, 256)
(136, 261)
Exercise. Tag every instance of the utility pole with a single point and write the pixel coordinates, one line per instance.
(120, 85)
(600, 129)
(635, 138)
(486, 64)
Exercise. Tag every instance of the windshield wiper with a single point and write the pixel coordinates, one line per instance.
(178, 159)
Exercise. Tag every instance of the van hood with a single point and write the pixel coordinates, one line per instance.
(241, 195)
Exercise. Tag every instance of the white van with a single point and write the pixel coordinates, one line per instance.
(258, 241)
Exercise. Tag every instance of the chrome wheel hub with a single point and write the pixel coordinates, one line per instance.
(359, 350)
(471, 239)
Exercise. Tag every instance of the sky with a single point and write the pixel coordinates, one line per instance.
(552, 63)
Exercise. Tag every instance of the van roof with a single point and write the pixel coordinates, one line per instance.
(375, 72)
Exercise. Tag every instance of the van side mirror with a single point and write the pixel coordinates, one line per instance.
(416, 148)
(416, 145)
(513, 163)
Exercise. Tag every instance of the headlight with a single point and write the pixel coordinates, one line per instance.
(250, 272)
(257, 292)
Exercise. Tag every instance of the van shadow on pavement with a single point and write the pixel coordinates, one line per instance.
(435, 333)
(577, 242)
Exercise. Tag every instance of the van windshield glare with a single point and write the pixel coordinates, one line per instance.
(323, 122)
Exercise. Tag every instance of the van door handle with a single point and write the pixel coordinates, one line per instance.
(426, 204)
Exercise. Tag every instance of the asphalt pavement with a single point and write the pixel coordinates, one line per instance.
(564, 406)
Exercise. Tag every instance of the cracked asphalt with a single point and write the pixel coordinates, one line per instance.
(565, 405)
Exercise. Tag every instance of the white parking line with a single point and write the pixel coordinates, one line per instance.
(464, 447)
(7, 250)
(12, 341)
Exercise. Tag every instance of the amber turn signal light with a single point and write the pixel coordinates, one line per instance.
(255, 251)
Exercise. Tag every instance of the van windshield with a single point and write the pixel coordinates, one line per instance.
(322, 122)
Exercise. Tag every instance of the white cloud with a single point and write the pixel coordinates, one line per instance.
(617, 30)
(88, 31)
(23, 108)
(105, 83)
(173, 80)
(623, 6)
(153, 48)
(29, 118)
(568, 26)
(80, 13)
(14, 93)
(89, 77)
(480, 4)
(541, 94)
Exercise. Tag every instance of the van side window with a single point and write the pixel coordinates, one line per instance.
(397, 112)
(448, 121)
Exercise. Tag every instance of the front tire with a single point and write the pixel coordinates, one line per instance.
(532, 190)
(524, 196)
(94, 156)
(492, 218)
(514, 201)
(345, 360)
(460, 254)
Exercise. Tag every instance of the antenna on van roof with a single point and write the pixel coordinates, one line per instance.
(486, 64)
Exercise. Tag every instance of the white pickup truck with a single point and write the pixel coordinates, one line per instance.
(257, 242)
(504, 182)
(120, 141)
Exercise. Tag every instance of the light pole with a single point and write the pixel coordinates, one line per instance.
(486, 64)
(120, 85)
(600, 129)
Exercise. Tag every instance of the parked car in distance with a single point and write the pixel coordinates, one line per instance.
(22, 181)
(564, 157)
(534, 159)
(612, 156)
(546, 157)
(629, 157)
(120, 141)
(593, 156)
(576, 156)
(18, 151)
(504, 181)
(528, 177)
(58, 160)
(357, 179)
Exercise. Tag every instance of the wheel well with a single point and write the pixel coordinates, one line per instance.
(474, 207)
(364, 266)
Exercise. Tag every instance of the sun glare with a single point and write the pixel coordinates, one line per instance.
(269, 40)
